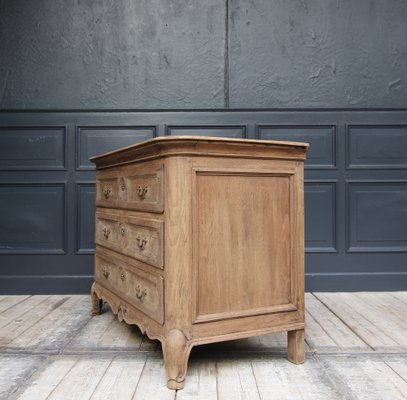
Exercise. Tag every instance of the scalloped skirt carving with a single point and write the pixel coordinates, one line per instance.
(176, 347)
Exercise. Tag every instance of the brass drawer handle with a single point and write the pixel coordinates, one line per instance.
(141, 242)
(141, 292)
(142, 191)
(122, 184)
(106, 232)
(107, 191)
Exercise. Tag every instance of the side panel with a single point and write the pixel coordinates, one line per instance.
(243, 222)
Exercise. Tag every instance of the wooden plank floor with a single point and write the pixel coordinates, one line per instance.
(51, 348)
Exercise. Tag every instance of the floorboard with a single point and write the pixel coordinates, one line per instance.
(358, 317)
(51, 348)
(236, 380)
(120, 379)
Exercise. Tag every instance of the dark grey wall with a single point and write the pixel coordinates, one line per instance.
(57, 54)
(318, 53)
(355, 190)
(112, 54)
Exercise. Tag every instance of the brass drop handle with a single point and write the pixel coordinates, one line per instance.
(141, 292)
(107, 191)
(106, 232)
(122, 276)
(142, 191)
(141, 242)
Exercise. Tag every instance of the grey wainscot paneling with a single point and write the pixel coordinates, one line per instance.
(355, 190)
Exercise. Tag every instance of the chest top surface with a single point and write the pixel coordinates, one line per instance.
(201, 145)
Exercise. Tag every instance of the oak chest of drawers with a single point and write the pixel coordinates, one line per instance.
(200, 240)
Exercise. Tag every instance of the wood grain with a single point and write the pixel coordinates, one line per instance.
(201, 240)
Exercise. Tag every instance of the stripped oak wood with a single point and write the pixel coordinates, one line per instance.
(231, 262)
(296, 352)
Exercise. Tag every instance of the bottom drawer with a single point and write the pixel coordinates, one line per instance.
(142, 290)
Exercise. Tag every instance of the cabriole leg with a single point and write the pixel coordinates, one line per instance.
(176, 352)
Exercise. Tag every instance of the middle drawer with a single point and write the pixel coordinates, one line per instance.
(136, 237)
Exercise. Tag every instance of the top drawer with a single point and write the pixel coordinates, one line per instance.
(133, 187)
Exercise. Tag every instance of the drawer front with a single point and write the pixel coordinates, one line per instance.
(135, 187)
(140, 238)
(142, 290)
(144, 188)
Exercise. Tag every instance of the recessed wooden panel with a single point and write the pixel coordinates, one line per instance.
(377, 146)
(321, 153)
(85, 234)
(32, 218)
(102, 139)
(32, 148)
(204, 130)
(377, 216)
(319, 199)
(241, 268)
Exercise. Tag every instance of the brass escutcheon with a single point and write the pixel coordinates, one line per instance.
(106, 272)
(122, 230)
(106, 232)
(122, 184)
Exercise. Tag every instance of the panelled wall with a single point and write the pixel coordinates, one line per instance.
(355, 189)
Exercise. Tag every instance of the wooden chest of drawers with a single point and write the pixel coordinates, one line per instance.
(200, 240)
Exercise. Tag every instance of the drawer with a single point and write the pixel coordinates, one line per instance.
(143, 188)
(143, 290)
(136, 187)
(140, 238)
